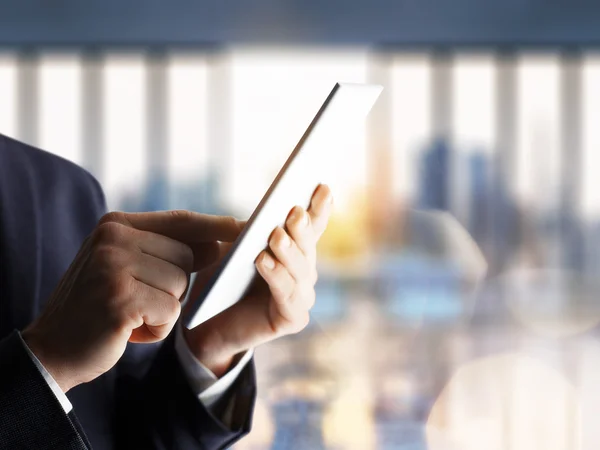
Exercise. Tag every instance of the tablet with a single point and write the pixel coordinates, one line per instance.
(344, 108)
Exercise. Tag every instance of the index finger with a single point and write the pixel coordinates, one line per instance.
(184, 226)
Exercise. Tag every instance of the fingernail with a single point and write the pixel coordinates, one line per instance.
(296, 215)
(300, 216)
(268, 262)
(324, 196)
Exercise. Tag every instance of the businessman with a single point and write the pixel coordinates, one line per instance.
(91, 350)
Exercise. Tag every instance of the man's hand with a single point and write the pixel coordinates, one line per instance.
(125, 284)
(279, 303)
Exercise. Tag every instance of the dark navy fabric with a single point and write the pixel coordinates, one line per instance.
(47, 208)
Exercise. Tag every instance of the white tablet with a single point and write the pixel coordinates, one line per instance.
(345, 108)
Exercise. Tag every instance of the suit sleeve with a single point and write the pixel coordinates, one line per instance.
(158, 409)
(30, 415)
(161, 411)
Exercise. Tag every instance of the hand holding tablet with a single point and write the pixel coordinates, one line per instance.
(278, 301)
(346, 106)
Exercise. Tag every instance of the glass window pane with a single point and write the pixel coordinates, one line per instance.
(8, 94)
(125, 126)
(60, 106)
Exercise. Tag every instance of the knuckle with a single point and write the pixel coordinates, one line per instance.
(231, 221)
(281, 293)
(127, 318)
(166, 312)
(109, 232)
(300, 227)
(232, 226)
(113, 216)
(286, 294)
(119, 288)
(120, 315)
(120, 307)
(110, 257)
(181, 215)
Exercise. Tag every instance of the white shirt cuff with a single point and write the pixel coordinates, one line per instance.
(203, 381)
(58, 393)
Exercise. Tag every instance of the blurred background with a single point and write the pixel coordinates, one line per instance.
(457, 303)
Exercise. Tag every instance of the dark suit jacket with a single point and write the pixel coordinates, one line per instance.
(47, 207)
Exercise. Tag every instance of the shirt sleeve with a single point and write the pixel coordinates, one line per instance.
(56, 390)
(208, 388)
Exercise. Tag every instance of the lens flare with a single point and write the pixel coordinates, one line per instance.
(510, 401)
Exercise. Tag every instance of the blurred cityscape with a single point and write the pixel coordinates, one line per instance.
(457, 301)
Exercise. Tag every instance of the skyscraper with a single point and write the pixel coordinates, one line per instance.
(480, 201)
(434, 173)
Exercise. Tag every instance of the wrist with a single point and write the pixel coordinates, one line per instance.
(51, 364)
(210, 349)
